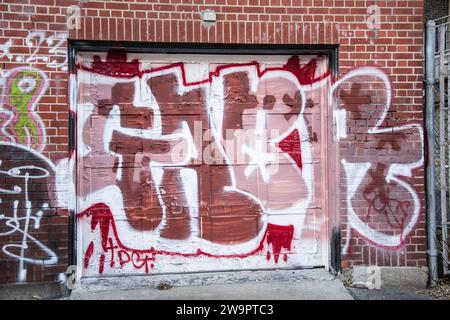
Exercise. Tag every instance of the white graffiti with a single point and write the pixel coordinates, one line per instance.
(357, 171)
(252, 178)
(57, 44)
(39, 42)
(22, 225)
(4, 49)
(259, 154)
(257, 171)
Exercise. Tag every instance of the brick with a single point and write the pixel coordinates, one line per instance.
(398, 51)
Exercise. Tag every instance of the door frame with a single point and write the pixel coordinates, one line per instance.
(331, 203)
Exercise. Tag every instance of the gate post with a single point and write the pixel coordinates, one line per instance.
(430, 50)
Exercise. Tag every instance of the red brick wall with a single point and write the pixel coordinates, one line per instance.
(396, 50)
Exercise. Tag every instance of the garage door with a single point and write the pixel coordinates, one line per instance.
(200, 162)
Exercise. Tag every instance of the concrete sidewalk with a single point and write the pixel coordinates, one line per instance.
(389, 293)
(310, 284)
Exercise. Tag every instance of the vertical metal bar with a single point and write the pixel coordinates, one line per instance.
(442, 162)
(430, 50)
(448, 153)
(72, 187)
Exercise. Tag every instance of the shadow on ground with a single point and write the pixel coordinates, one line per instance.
(388, 293)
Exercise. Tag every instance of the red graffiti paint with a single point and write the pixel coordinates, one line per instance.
(278, 237)
(101, 265)
(101, 215)
(111, 247)
(88, 254)
(305, 74)
(291, 145)
(122, 92)
(384, 200)
(118, 66)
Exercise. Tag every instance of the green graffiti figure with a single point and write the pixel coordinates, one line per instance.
(25, 87)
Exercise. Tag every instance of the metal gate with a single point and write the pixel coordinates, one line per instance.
(438, 129)
(201, 162)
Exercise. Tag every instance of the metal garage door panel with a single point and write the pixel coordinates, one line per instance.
(190, 163)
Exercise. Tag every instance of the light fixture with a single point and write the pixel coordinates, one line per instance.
(209, 16)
